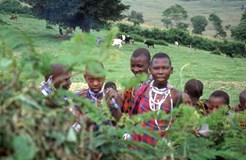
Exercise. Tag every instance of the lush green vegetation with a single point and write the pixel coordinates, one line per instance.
(30, 130)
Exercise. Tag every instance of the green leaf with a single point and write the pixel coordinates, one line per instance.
(5, 63)
(71, 136)
(24, 148)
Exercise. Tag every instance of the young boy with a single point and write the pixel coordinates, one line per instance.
(218, 99)
(242, 102)
(58, 77)
(194, 88)
(139, 65)
(158, 97)
(95, 76)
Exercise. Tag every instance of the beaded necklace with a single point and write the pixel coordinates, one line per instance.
(155, 103)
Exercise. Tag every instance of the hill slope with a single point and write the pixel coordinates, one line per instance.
(229, 10)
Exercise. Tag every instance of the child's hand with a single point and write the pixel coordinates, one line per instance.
(83, 92)
(113, 94)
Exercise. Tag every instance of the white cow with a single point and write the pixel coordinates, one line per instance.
(117, 42)
(176, 43)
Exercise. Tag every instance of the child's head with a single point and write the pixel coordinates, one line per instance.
(110, 85)
(218, 99)
(60, 76)
(194, 88)
(140, 61)
(95, 76)
(242, 99)
(161, 68)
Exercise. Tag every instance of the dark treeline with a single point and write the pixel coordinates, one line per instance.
(159, 36)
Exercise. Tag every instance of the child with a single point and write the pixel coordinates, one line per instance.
(218, 99)
(139, 65)
(59, 77)
(194, 88)
(242, 102)
(95, 76)
(156, 96)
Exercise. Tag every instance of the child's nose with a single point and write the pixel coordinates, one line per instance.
(95, 83)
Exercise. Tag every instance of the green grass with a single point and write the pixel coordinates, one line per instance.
(228, 11)
(216, 72)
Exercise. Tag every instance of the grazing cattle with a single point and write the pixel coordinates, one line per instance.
(69, 31)
(176, 43)
(129, 39)
(122, 37)
(13, 17)
(117, 42)
(149, 43)
(126, 39)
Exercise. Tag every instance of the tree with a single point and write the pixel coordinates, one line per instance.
(182, 26)
(239, 32)
(243, 16)
(199, 24)
(136, 18)
(87, 14)
(217, 25)
(167, 22)
(175, 13)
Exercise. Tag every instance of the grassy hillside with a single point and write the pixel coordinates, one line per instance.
(216, 72)
(228, 10)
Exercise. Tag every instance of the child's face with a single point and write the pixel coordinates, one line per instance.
(160, 70)
(62, 80)
(94, 83)
(214, 103)
(139, 65)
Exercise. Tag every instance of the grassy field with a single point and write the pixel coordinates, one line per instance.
(229, 11)
(216, 72)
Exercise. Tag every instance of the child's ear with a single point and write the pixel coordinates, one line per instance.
(171, 70)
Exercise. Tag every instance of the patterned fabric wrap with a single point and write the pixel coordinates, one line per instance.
(128, 100)
(141, 106)
(201, 107)
(128, 97)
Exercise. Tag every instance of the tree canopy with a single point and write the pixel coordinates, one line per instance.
(175, 13)
(217, 25)
(136, 18)
(239, 32)
(199, 24)
(87, 14)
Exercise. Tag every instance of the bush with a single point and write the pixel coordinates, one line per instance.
(162, 36)
(216, 52)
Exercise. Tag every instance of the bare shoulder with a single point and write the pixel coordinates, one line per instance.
(176, 96)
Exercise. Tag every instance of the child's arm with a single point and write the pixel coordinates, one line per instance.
(180, 97)
(114, 101)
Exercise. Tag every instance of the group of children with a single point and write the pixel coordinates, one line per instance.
(153, 93)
